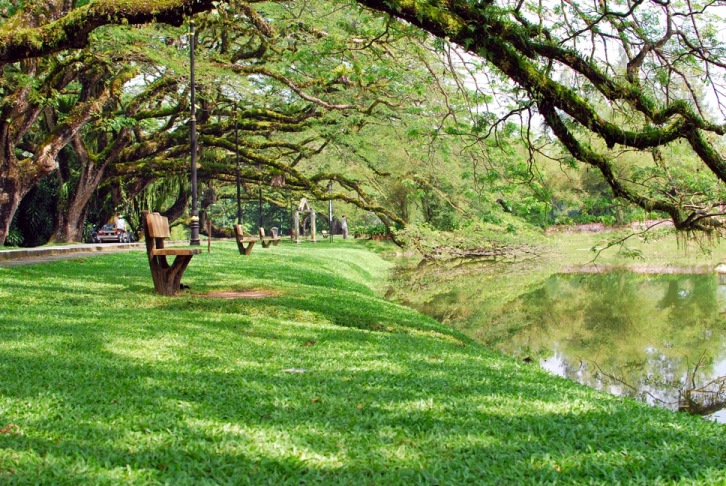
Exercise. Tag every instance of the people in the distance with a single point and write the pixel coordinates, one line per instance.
(344, 227)
(120, 223)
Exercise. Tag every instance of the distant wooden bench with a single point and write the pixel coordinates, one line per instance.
(245, 241)
(324, 233)
(167, 278)
(266, 241)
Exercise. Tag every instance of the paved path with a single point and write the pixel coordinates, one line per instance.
(24, 256)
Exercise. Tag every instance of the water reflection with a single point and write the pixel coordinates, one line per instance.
(650, 337)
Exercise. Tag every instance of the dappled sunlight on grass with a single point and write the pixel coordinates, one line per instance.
(325, 382)
(147, 350)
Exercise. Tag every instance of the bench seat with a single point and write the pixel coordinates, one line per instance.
(245, 241)
(266, 241)
(176, 251)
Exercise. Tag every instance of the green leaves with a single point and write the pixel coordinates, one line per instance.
(115, 124)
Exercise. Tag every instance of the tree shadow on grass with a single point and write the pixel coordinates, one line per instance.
(188, 390)
(221, 407)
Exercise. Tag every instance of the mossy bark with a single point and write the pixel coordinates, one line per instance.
(71, 30)
(525, 53)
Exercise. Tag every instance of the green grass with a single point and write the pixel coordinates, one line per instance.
(104, 382)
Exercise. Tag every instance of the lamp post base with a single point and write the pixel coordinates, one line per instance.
(194, 226)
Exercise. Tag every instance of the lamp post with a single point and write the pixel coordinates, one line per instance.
(236, 154)
(330, 210)
(194, 223)
(259, 189)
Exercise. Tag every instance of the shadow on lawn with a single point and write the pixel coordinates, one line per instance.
(194, 390)
(221, 408)
(207, 272)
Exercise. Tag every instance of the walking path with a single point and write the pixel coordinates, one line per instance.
(24, 256)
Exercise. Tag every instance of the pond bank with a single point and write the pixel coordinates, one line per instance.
(653, 330)
(642, 268)
(323, 381)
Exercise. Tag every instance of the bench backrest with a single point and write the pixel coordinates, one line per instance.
(239, 230)
(157, 226)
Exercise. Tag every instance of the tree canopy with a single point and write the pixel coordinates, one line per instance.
(632, 89)
(607, 79)
(267, 93)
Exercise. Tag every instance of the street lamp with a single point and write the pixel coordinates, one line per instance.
(236, 154)
(330, 209)
(194, 223)
(259, 168)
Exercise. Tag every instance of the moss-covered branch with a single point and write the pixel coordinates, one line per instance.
(71, 31)
(528, 55)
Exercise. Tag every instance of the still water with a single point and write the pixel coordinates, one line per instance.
(657, 338)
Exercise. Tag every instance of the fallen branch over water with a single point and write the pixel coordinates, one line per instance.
(705, 400)
(479, 242)
(494, 252)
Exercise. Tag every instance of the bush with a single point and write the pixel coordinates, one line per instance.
(477, 240)
(370, 230)
(14, 238)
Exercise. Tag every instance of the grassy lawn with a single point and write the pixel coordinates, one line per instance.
(104, 382)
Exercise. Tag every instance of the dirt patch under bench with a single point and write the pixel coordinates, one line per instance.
(242, 294)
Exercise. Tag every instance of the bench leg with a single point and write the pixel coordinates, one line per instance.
(266, 244)
(245, 250)
(167, 278)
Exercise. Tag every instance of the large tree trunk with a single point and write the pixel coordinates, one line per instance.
(69, 222)
(95, 168)
(71, 217)
(39, 166)
(16, 179)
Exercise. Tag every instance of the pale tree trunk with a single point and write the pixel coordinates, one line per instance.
(16, 180)
(44, 162)
(19, 114)
(10, 197)
(69, 223)
(71, 216)
(16, 117)
(15, 188)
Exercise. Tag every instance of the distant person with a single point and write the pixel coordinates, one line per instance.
(120, 223)
(344, 227)
(121, 226)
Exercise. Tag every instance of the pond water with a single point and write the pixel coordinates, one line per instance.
(657, 338)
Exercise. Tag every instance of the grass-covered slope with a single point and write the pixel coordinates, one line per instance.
(104, 382)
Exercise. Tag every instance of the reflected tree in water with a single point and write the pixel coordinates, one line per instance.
(642, 336)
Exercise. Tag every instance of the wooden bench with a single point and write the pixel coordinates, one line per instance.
(324, 233)
(245, 241)
(167, 278)
(271, 240)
